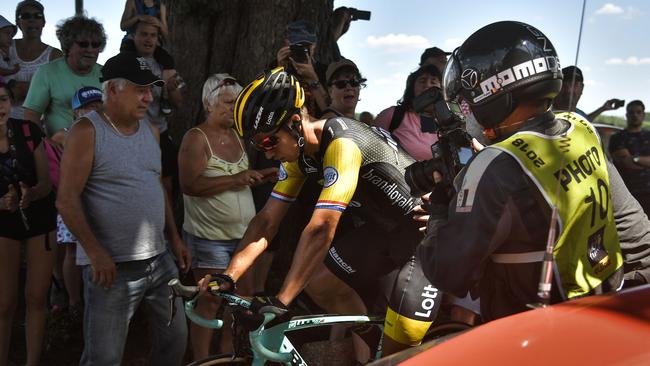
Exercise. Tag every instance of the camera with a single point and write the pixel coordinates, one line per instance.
(359, 14)
(299, 52)
(453, 144)
(617, 103)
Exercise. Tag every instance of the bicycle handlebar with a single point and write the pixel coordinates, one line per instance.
(189, 295)
(256, 339)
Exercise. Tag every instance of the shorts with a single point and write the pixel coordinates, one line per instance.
(215, 254)
(41, 218)
(63, 235)
(381, 267)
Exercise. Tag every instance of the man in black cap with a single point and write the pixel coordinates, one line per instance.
(112, 164)
(434, 56)
(572, 87)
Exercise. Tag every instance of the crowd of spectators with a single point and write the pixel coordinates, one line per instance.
(97, 138)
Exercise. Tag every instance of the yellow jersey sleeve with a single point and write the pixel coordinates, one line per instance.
(290, 181)
(341, 165)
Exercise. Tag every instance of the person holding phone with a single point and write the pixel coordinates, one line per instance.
(297, 57)
(215, 179)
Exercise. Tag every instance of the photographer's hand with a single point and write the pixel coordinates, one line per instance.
(10, 200)
(305, 71)
(422, 212)
(477, 146)
(282, 56)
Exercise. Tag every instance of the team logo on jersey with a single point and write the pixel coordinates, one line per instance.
(330, 176)
(282, 174)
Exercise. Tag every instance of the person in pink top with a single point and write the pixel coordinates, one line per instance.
(408, 129)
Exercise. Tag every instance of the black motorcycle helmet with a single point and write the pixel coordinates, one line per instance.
(498, 66)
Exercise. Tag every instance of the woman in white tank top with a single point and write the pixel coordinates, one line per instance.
(30, 52)
(215, 180)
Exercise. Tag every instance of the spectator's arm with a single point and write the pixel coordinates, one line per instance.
(192, 160)
(43, 187)
(624, 159)
(33, 116)
(177, 245)
(20, 90)
(309, 76)
(129, 16)
(76, 165)
(607, 106)
(164, 29)
(173, 91)
(38, 97)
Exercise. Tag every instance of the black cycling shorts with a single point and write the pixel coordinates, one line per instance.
(41, 218)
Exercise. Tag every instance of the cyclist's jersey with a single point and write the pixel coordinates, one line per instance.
(361, 170)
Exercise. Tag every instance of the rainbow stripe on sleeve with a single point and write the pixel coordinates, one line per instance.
(331, 205)
(282, 197)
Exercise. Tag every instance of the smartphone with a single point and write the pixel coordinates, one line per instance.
(618, 103)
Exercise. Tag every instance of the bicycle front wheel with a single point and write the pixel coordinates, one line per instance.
(222, 360)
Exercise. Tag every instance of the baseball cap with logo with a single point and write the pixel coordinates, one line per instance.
(127, 65)
(85, 95)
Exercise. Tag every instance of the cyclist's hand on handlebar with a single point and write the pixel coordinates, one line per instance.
(216, 282)
(251, 319)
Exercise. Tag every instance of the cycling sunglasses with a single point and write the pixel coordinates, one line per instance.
(86, 44)
(340, 84)
(28, 16)
(267, 143)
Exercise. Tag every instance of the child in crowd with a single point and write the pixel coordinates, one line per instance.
(7, 32)
(85, 100)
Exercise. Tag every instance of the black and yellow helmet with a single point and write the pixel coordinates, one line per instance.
(267, 102)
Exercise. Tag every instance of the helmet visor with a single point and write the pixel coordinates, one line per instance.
(451, 78)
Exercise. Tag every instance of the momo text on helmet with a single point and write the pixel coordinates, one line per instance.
(500, 65)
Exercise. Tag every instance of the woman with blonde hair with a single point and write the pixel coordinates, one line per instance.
(215, 179)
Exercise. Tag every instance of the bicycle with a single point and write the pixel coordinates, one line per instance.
(273, 344)
(267, 344)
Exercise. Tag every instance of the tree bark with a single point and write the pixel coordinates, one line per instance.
(238, 37)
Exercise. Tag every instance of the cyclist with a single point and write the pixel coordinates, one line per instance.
(493, 243)
(361, 169)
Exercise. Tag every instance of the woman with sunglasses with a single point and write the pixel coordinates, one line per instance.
(415, 134)
(344, 82)
(27, 215)
(29, 51)
(215, 179)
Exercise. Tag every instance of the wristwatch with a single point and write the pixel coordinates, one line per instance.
(314, 85)
(636, 159)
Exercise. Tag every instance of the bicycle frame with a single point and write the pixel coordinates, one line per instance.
(268, 344)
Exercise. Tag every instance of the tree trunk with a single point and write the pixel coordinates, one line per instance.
(238, 37)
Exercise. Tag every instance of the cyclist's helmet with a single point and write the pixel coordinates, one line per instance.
(267, 102)
(499, 65)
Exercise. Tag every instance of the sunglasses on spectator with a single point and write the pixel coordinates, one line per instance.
(28, 16)
(341, 84)
(86, 44)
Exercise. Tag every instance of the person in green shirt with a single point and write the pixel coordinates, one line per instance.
(52, 87)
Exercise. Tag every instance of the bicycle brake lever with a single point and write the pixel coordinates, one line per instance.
(172, 308)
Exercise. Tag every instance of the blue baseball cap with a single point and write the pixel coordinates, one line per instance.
(85, 95)
(301, 31)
